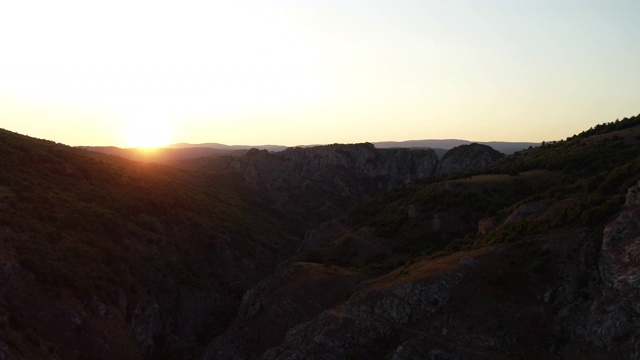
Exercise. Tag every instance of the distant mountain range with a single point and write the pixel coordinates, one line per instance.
(504, 147)
(184, 151)
(316, 184)
(225, 147)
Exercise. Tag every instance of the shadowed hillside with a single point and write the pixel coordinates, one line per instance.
(166, 155)
(533, 258)
(108, 258)
(126, 259)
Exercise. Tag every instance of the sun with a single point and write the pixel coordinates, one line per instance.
(147, 133)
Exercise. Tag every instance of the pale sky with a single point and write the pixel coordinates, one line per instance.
(315, 72)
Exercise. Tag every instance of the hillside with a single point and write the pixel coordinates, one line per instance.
(532, 255)
(165, 155)
(108, 258)
(504, 147)
(193, 156)
(315, 184)
(534, 258)
(104, 257)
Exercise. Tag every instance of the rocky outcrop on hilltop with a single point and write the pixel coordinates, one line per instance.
(397, 166)
(466, 159)
(327, 180)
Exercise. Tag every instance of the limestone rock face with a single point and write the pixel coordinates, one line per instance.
(290, 297)
(468, 158)
(394, 167)
(323, 182)
(610, 316)
(358, 327)
(570, 295)
(620, 257)
(527, 210)
(487, 224)
(327, 180)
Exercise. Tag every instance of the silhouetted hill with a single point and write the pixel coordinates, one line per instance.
(469, 158)
(227, 147)
(108, 258)
(164, 155)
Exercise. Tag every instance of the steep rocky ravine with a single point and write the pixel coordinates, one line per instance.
(568, 293)
(111, 259)
(537, 258)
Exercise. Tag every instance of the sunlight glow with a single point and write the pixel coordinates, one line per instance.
(147, 133)
(312, 72)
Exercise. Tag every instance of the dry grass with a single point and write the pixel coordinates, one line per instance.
(628, 135)
(532, 176)
(427, 268)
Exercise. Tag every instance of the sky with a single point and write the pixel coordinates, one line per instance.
(293, 72)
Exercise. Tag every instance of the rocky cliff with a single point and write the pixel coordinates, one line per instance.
(608, 314)
(526, 262)
(466, 159)
(325, 181)
(562, 294)
(118, 259)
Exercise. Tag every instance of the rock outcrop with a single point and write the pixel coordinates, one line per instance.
(290, 297)
(328, 180)
(527, 210)
(310, 322)
(466, 159)
(568, 295)
(323, 182)
(610, 316)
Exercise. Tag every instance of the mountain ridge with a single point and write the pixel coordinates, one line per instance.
(505, 147)
(317, 183)
(534, 256)
(170, 154)
(515, 262)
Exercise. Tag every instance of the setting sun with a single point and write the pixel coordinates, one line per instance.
(147, 133)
